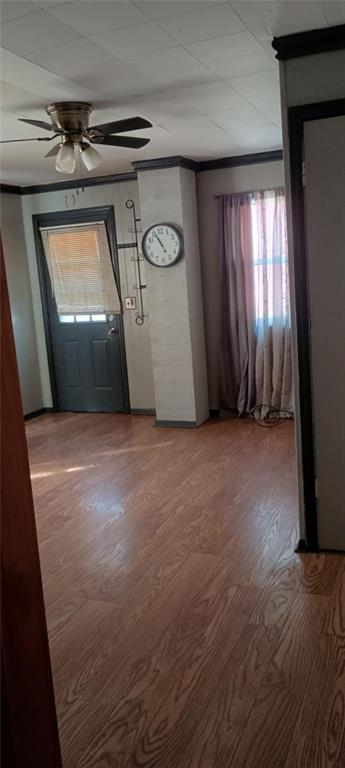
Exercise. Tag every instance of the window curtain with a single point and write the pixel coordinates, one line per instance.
(80, 268)
(273, 364)
(238, 340)
(255, 339)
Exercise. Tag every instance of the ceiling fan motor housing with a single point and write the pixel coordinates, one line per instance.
(70, 117)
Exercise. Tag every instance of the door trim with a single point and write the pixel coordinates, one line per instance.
(81, 216)
(297, 116)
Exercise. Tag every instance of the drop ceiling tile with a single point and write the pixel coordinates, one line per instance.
(225, 47)
(267, 19)
(129, 41)
(269, 107)
(264, 83)
(333, 11)
(89, 18)
(115, 79)
(35, 32)
(210, 22)
(70, 57)
(12, 97)
(162, 9)
(174, 66)
(46, 85)
(13, 9)
(207, 98)
(239, 118)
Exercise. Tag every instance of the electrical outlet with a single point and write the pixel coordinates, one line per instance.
(130, 302)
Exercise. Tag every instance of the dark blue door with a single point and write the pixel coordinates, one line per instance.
(88, 358)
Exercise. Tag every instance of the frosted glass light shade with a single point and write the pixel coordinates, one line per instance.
(65, 161)
(90, 157)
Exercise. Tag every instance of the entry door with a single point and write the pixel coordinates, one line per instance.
(88, 358)
(324, 143)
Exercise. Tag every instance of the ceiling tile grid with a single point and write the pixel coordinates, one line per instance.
(203, 72)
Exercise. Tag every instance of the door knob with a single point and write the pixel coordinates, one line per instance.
(112, 331)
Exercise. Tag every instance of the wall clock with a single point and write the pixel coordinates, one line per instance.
(162, 245)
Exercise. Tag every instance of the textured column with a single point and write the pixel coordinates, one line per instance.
(168, 195)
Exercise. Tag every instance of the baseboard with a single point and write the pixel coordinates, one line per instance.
(143, 411)
(214, 413)
(40, 412)
(179, 424)
(301, 546)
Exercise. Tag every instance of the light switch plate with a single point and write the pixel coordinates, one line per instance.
(130, 302)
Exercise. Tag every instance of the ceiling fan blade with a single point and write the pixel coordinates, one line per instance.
(122, 141)
(130, 124)
(53, 151)
(14, 141)
(38, 124)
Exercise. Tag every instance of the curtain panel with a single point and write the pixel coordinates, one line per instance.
(255, 338)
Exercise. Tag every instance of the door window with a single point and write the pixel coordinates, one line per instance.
(81, 272)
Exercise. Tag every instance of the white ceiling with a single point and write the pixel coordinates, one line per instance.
(203, 72)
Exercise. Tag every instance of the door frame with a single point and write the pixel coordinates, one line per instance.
(64, 218)
(297, 116)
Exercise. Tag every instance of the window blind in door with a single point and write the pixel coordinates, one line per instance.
(80, 268)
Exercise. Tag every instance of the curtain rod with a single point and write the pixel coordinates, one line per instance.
(250, 192)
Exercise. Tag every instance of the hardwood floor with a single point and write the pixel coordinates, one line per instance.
(184, 630)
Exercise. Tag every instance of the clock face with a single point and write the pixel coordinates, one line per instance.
(162, 245)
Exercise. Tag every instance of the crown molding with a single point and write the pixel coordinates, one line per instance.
(147, 165)
(309, 43)
(10, 189)
(157, 163)
(236, 160)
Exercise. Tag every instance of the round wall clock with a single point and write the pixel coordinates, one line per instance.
(162, 245)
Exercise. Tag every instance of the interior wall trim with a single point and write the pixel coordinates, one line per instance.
(309, 43)
(178, 424)
(40, 412)
(175, 161)
(237, 160)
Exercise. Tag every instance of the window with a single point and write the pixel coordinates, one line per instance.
(99, 318)
(81, 272)
(271, 274)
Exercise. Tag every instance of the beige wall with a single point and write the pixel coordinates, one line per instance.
(211, 183)
(177, 331)
(137, 338)
(19, 289)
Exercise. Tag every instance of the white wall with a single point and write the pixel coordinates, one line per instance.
(211, 183)
(137, 338)
(19, 289)
(305, 80)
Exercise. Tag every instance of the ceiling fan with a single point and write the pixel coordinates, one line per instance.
(70, 123)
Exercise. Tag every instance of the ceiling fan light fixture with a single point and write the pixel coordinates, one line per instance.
(65, 161)
(90, 157)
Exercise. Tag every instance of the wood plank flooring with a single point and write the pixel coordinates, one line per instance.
(184, 630)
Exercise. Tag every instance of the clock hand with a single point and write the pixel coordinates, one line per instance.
(160, 242)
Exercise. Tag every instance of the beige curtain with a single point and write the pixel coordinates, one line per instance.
(255, 343)
(273, 364)
(80, 268)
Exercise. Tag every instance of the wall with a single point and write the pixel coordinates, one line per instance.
(305, 80)
(209, 184)
(12, 232)
(176, 308)
(137, 338)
